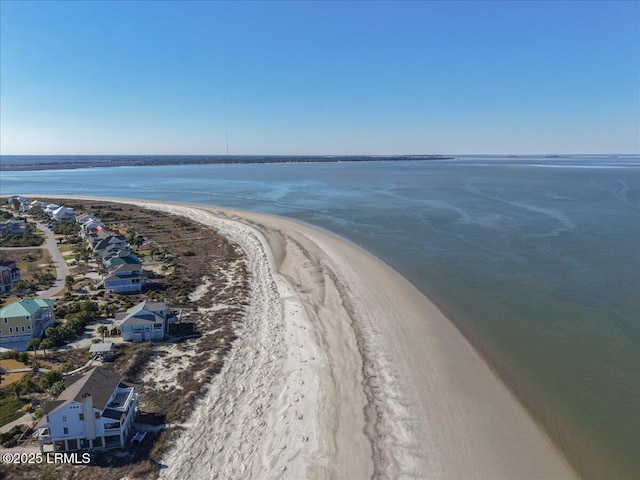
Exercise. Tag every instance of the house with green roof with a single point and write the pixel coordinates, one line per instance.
(123, 257)
(25, 319)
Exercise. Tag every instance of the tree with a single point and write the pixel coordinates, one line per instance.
(50, 378)
(47, 343)
(33, 344)
(138, 240)
(22, 286)
(131, 234)
(68, 282)
(16, 387)
(53, 334)
(102, 330)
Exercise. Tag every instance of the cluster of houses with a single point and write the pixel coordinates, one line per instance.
(52, 210)
(96, 410)
(123, 266)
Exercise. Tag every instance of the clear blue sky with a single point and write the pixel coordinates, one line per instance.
(319, 77)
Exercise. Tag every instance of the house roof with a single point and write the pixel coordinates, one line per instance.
(149, 306)
(25, 307)
(142, 313)
(97, 382)
(113, 262)
(125, 267)
(60, 210)
(101, 347)
(103, 241)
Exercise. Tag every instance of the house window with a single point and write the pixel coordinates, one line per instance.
(5, 320)
(96, 415)
(28, 327)
(64, 418)
(10, 329)
(81, 416)
(23, 328)
(65, 430)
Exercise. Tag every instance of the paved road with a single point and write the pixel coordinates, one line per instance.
(62, 270)
(60, 264)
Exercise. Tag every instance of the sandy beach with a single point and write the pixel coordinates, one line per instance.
(343, 369)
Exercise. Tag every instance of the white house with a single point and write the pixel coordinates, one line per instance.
(64, 214)
(143, 322)
(96, 411)
(23, 202)
(49, 209)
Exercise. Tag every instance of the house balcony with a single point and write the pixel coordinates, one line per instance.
(43, 435)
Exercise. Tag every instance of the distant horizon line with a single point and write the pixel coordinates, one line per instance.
(323, 155)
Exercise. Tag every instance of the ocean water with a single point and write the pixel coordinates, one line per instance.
(536, 260)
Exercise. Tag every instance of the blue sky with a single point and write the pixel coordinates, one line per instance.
(319, 77)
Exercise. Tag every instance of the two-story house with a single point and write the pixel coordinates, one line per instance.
(143, 322)
(25, 319)
(124, 278)
(14, 226)
(9, 275)
(95, 411)
(64, 214)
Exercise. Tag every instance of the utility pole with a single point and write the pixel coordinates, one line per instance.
(227, 135)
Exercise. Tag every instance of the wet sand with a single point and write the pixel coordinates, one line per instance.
(348, 371)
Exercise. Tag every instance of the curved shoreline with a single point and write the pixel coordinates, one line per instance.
(432, 406)
(390, 388)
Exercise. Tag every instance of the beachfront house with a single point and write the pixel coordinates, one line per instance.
(143, 322)
(25, 319)
(122, 257)
(22, 203)
(124, 278)
(9, 275)
(95, 411)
